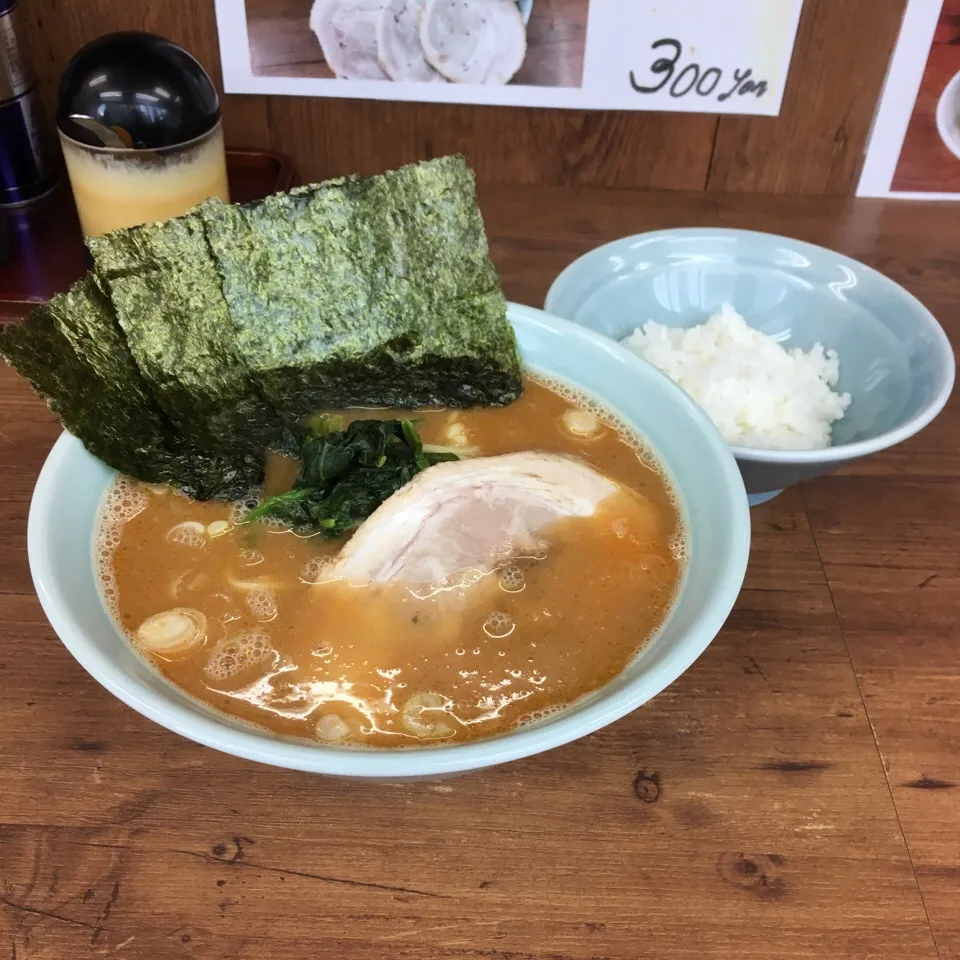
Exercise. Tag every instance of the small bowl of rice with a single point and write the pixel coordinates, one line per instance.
(805, 359)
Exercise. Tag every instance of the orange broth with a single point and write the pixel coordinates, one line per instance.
(389, 665)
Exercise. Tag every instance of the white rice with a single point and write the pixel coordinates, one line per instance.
(756, 392)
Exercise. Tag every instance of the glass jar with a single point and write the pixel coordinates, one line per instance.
(139, 123)
(116, 187)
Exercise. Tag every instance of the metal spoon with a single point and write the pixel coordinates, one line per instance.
(107, 136)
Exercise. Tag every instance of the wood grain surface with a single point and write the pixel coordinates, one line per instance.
(795, 794)
(814, 147)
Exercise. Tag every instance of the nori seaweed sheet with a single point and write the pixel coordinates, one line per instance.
(373, 292)
(77, 359)
(120, 430)
(182, 355)
(166, 290)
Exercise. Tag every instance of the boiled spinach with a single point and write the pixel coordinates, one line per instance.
(346, 473)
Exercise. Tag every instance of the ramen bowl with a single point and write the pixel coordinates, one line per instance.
(895, 360)
(697, 462)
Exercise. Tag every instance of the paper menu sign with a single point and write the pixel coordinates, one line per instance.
(725, 56)
(697, 56)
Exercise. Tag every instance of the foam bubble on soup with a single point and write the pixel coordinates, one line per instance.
(263, 605)
(233, 655)
(499, 625)
(512, 579)
(654, 565)
(315, 569)
(678, 547)
(190, 533)
(173, 632)
(511, 548)
(123, 500)
(240, 508)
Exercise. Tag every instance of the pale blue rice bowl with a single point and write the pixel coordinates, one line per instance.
(895, 359)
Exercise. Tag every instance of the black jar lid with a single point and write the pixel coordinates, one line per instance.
(151, 92)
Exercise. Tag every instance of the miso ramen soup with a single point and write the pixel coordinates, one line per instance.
(247, 618)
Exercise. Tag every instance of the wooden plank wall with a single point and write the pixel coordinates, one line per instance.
(814, 147)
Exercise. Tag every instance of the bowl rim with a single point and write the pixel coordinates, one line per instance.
(386, 764)
(840, 452)
(946, 102)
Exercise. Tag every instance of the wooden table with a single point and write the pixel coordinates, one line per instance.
(795, 794)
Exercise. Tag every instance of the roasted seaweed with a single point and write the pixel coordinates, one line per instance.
(180, 357)
(53, 350)
(166, 290)
(376, 292)
(77, 359)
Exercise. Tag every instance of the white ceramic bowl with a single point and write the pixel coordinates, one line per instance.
(699, 463)
(948, 115)
(895, 360)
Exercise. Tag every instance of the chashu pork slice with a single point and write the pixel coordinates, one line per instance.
(398, 42)
(468, 514)
(347, 32)
(474, 41)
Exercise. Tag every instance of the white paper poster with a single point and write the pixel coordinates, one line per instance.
(694, 56)
(914, 149)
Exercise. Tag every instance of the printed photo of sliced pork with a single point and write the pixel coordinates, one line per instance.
(473, 41)
(464, 42)
(398, 43)
(347, 33)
